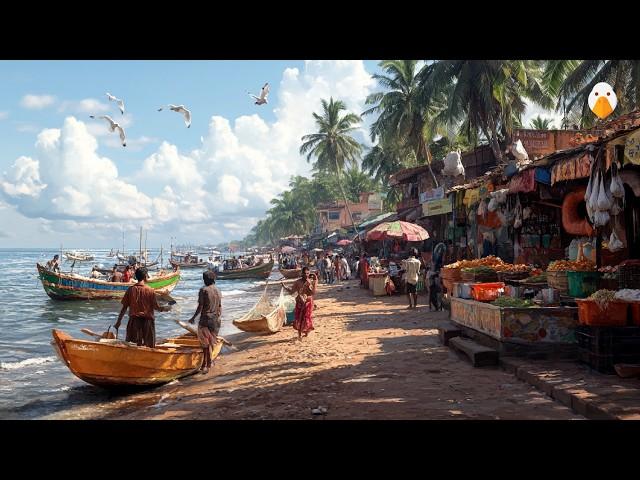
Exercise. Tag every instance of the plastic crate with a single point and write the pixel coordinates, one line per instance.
(290, 318)
(605, 363)
(635, 313)
(609, 340)
(615, 315)
(558, 280)
(582, 284)
(487, 292)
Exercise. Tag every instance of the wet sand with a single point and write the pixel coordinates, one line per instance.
(368, 358)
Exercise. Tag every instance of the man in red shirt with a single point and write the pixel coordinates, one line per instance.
(141, 302)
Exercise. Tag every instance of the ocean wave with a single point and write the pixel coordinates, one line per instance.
(26, 363)
(230, 293)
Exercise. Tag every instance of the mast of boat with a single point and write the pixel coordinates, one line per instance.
(145, 247)
(140, 251)
(123, 251)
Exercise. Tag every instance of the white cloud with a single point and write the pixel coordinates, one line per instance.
(533, 110)
(37, 102)
(90, 106)
(4, 115)
(216, 191)
(24, 179)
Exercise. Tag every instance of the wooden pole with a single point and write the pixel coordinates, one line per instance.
(140, 243)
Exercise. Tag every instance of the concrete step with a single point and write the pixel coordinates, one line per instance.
(479, 355)
(447, 331)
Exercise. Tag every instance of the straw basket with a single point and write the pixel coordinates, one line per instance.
(559, 281)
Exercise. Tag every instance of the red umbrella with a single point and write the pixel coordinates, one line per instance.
(344, 243)
(409, 232)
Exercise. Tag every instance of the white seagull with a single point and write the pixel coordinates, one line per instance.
(180, 109)
(119, 101)
(262, 99)
(114, 126)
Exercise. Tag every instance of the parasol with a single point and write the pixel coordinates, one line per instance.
(409, 232)
(344, 243)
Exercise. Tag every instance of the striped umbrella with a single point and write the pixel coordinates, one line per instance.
(409, 232)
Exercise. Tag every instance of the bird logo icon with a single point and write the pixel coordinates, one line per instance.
(602, 100)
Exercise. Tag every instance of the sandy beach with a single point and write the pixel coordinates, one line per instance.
(368, 358)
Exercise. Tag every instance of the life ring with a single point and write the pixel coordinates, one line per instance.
(572, 220)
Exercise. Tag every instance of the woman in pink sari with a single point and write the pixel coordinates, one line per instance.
(304, 288)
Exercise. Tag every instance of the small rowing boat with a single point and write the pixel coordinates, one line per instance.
(262, 270)
(78, 256)
(290, 272)
(264, 317)
(66, 286)
(112, 363)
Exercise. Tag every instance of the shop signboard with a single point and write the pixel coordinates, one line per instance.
(436, 207)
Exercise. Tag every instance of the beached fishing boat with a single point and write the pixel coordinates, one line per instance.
(264, 317)
(64, 286)
(290, 272)
(121, 266)
(262, 270)
(112, 363)
(187, 260)
(78, 256)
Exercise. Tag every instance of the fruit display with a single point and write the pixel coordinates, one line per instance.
(572, 266)
(489, 261)
(480, 270)
(512, 268)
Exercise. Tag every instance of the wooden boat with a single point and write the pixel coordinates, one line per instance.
(263, 317)
(111, 363)
(262, 270)
(78, 257)
(64, 286)
(290, 272)
(627, 370)
(187, 260)
(122, 266)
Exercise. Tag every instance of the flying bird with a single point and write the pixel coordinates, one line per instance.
(262, 99)
(119, 101)
(180, 109)
(602, 100)
(113, 127)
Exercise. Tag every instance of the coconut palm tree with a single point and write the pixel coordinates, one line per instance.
(539, 123)
(405, 118)
(333, 145)
(486, 96)
(574, 80)
(356, 181)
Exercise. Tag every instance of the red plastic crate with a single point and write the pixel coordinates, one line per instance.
(589, 313)
(487, 292)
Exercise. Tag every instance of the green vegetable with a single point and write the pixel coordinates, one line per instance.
(512, 302)
(479, 270)
(537, 279)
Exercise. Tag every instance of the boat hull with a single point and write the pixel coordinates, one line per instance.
(113, 365)
(290, 272)
(60, 286)
(259, 271)
(270, 323)
(188, 265)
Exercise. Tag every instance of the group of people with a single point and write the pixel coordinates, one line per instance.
(142, 303)
(334, 268)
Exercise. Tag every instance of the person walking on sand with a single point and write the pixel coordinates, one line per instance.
(411, 269)
(141, 301)
(304, 288)
(210, 310)
(363, 268)
(337, 265)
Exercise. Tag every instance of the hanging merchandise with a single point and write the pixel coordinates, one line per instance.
(617, 187)
(615, 209)
(615, 244)
(453, 164)
(593, 197)
(572, 221)
(601, 218)
(526, 213)
(482, 208)
(604, 202)
(517, 223)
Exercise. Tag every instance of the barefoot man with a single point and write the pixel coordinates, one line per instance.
(305, 289)
(210, 309)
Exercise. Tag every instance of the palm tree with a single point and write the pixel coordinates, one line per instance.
(333, 146)
(386, 158)
(574, 81)
(356, 181)
(486, 96)
(540, 123)
(404, 118)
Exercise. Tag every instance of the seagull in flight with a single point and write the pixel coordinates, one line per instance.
(113, 127)
(262, 99)
(119, 101)
(180, 109)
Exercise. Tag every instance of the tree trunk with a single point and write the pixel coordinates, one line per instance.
(427, 154)
(344, 196)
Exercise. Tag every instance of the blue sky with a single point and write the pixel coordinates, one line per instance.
(65, 179)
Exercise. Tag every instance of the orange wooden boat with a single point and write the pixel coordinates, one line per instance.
(290, 272)
(263, 317)
(111, 363)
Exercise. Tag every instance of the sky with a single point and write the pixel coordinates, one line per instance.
(66, 180)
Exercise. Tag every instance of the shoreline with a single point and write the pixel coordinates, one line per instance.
(368, 358)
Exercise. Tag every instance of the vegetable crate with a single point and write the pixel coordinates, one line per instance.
(614, 315)
(582, 284)
(558, 280)
(487, 292)
(609, 340)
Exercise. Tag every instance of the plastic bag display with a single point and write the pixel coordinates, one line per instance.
(617, 187)
(615, 209)
(453, 164)
(604, 202)
(615, 243)
(593, 198)
(601, 218)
